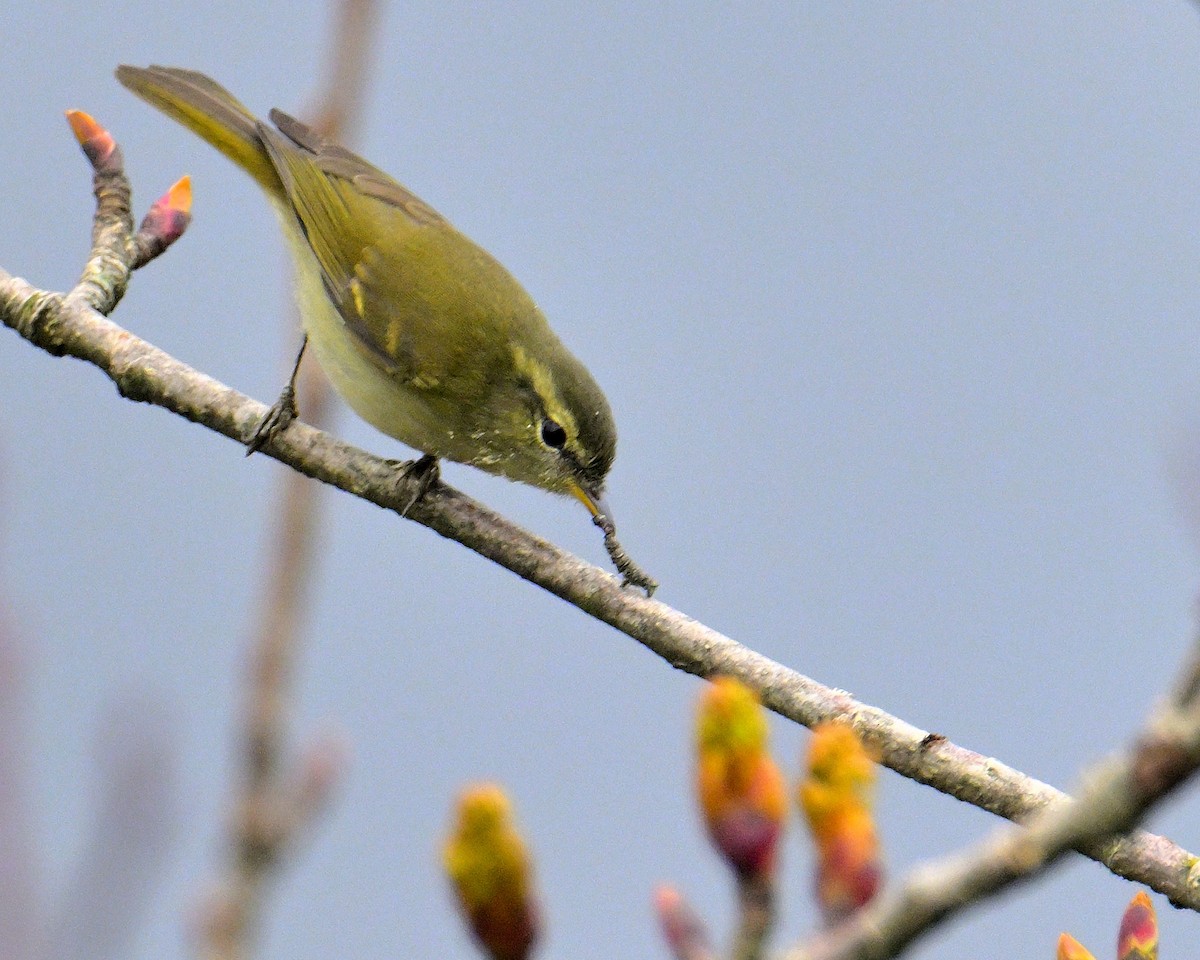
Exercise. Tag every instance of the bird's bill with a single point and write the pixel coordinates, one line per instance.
(597, 506)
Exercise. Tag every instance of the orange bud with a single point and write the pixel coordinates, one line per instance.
(490, 869)
(836, 798)
(1138, 939)
(97, 143)
(1071, 949)
(741, 791)
(84, 126)
(179, 197)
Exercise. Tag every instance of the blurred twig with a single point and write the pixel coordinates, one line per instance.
(340, 110)
(756, 916)
(20, 912)
(97, 914)
(135, 821)
(271, 807)
(1117, 793)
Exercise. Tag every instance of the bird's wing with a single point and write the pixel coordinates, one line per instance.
(347, 209)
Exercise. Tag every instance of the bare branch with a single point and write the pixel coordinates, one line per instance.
(143, 372)
(1117, 794)
(70, 326)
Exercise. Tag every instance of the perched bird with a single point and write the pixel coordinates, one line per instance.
(421, 331)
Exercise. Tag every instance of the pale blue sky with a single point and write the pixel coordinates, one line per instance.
(896, 306)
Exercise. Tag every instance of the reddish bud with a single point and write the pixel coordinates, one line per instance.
(167, 219)
(682, 929)
(1138, 938)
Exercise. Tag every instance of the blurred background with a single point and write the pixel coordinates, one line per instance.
(896, 306)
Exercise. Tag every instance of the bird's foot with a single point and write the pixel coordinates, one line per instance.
(282, 412)
(415, 478)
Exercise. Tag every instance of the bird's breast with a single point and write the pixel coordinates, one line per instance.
(410, 410)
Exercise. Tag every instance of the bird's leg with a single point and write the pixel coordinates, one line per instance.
(282, 412)
(418, 476)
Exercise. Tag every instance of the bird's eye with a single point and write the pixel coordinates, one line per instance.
(553, 435)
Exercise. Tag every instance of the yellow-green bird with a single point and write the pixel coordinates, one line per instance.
(424, 334)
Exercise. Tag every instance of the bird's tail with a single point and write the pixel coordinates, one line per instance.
(209, 110)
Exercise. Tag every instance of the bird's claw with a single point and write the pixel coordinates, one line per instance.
(282, 412)
(422, 474)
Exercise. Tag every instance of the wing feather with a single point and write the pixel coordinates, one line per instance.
(361, 225)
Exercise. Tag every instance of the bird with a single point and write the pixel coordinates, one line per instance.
(421, 331)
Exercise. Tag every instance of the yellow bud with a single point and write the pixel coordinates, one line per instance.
(836, 798)
(741, 791)
(490, 870)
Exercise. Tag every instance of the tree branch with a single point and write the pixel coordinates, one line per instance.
(1117, 794)
(142, 372)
